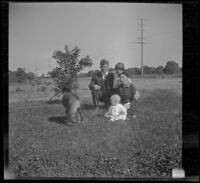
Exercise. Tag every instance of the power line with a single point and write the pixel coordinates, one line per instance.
(141, 40)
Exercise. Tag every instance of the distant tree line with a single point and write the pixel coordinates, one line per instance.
(171, 67)
(20, 76)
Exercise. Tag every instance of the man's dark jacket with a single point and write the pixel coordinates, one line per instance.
(106, 85)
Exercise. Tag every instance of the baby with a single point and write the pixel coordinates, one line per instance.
(116, 111)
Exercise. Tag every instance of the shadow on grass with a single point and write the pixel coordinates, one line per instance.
(57, 101)
(87, 106)
(60, 120)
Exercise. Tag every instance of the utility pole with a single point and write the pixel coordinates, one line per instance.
(141, 41)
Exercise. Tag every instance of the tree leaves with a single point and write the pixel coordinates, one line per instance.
(66, 73)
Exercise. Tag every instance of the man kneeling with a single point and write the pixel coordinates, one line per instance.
(97, 85)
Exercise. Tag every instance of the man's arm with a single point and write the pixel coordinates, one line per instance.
(92, 82)
(95, 83)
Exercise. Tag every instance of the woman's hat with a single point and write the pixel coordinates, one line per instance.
(119, 65)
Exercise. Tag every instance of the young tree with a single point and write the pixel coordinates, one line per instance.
(65, 74)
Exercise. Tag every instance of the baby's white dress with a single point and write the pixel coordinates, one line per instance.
(116, 112)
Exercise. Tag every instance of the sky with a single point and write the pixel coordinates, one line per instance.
(101, 30)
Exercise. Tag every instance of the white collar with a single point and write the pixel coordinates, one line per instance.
(104, 73)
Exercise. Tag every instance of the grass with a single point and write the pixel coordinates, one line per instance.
(43, 144)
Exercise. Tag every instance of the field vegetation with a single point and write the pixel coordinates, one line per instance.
(43, 144)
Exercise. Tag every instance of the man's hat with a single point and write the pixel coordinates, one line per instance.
(119, 65)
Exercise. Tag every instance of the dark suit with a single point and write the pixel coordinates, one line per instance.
(103, 94)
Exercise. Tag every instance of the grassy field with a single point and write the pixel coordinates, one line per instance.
(43, 144)
(43, 91)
